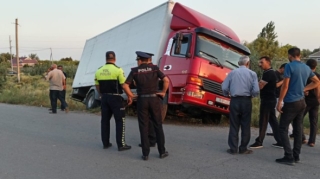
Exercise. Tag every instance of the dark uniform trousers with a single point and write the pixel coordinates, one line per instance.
(240, 116)
(144, 106)
(112, 105)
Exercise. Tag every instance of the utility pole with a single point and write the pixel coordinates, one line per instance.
(51, 56)
(17, 51)
(10, 53)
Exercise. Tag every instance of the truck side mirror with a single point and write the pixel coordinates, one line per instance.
(178, 39)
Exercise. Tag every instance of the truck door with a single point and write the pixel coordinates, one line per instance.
(176, 65)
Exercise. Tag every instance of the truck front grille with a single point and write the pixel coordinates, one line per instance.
(212, 86)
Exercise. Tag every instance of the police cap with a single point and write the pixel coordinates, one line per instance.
(110, 55)
(144, 55)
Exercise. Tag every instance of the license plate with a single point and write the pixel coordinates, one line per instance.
(223, 101)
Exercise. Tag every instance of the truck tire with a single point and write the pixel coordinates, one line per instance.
(91, 102)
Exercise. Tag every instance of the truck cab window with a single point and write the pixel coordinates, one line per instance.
(184, 47)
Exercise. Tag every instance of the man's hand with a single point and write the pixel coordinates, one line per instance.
(306, 93)
(129, 101)
(161, 94)
(279, 107)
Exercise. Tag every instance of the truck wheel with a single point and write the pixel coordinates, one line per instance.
(91, 102)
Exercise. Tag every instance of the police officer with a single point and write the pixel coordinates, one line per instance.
(108, 81)
(151, 133)
(146, 78)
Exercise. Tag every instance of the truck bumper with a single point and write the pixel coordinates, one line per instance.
(204, 100)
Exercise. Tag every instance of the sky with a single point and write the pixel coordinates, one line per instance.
(65, 25)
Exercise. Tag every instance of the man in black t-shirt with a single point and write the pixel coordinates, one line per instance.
(279, 76)
(268, 101)
(312, 101)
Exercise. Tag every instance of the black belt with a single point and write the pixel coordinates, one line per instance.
(241, 97)
(147, 95)
(112, 94)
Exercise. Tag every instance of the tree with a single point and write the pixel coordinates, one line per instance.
(268, 33)
(266, 43)
(68, 59)
(4, 57)
(305, 53)
(34, 56)
(283, 51)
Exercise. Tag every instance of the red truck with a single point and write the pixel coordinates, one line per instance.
(195, 51)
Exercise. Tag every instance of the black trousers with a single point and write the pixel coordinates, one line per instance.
(112, 105)
(292, 112)
(268, 115)
(313, 119)
(63, 96)
(152, 105)
(152, 133)
(240, 116)
(54, 96)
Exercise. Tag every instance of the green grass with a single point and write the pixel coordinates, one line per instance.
(33, 91)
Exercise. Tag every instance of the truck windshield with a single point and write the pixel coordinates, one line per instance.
(212, 50)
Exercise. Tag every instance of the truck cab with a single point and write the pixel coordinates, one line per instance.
(199, 55)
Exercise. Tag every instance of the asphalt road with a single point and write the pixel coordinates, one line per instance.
(35, 144)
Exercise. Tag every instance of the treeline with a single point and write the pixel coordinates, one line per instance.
(266, 44)
(70, 67)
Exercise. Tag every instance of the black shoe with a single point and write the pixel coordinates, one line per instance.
(269, 134)
(246, 152)
(296, 159)
(277, 145)
(285, 160)
(62, 109)
(50, 109)
(151, 145)
(109, 145)
(125, 147)
(145, 157)
(256, 146)
(164, 155)
(231, 152)
(52, 112)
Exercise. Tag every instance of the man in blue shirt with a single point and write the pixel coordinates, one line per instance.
(295, 76)
(241, 84)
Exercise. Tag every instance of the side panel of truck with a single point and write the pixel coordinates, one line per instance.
(147, 32)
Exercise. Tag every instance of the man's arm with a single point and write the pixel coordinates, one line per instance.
(165, 87)
(314, 83)
(255, 87)
(283, 92)
(127, 90)
(226, 86)
(279, 83)
(262, 84)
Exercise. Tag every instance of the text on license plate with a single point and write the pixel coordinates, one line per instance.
(223, 101)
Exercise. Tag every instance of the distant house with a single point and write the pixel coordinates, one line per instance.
(315, 56)
(24, 61)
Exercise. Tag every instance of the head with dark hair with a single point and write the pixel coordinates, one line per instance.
(265, 63)
(110, 56)
(281, 68)
(294, 54)
(312, 63)
(60, 67)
